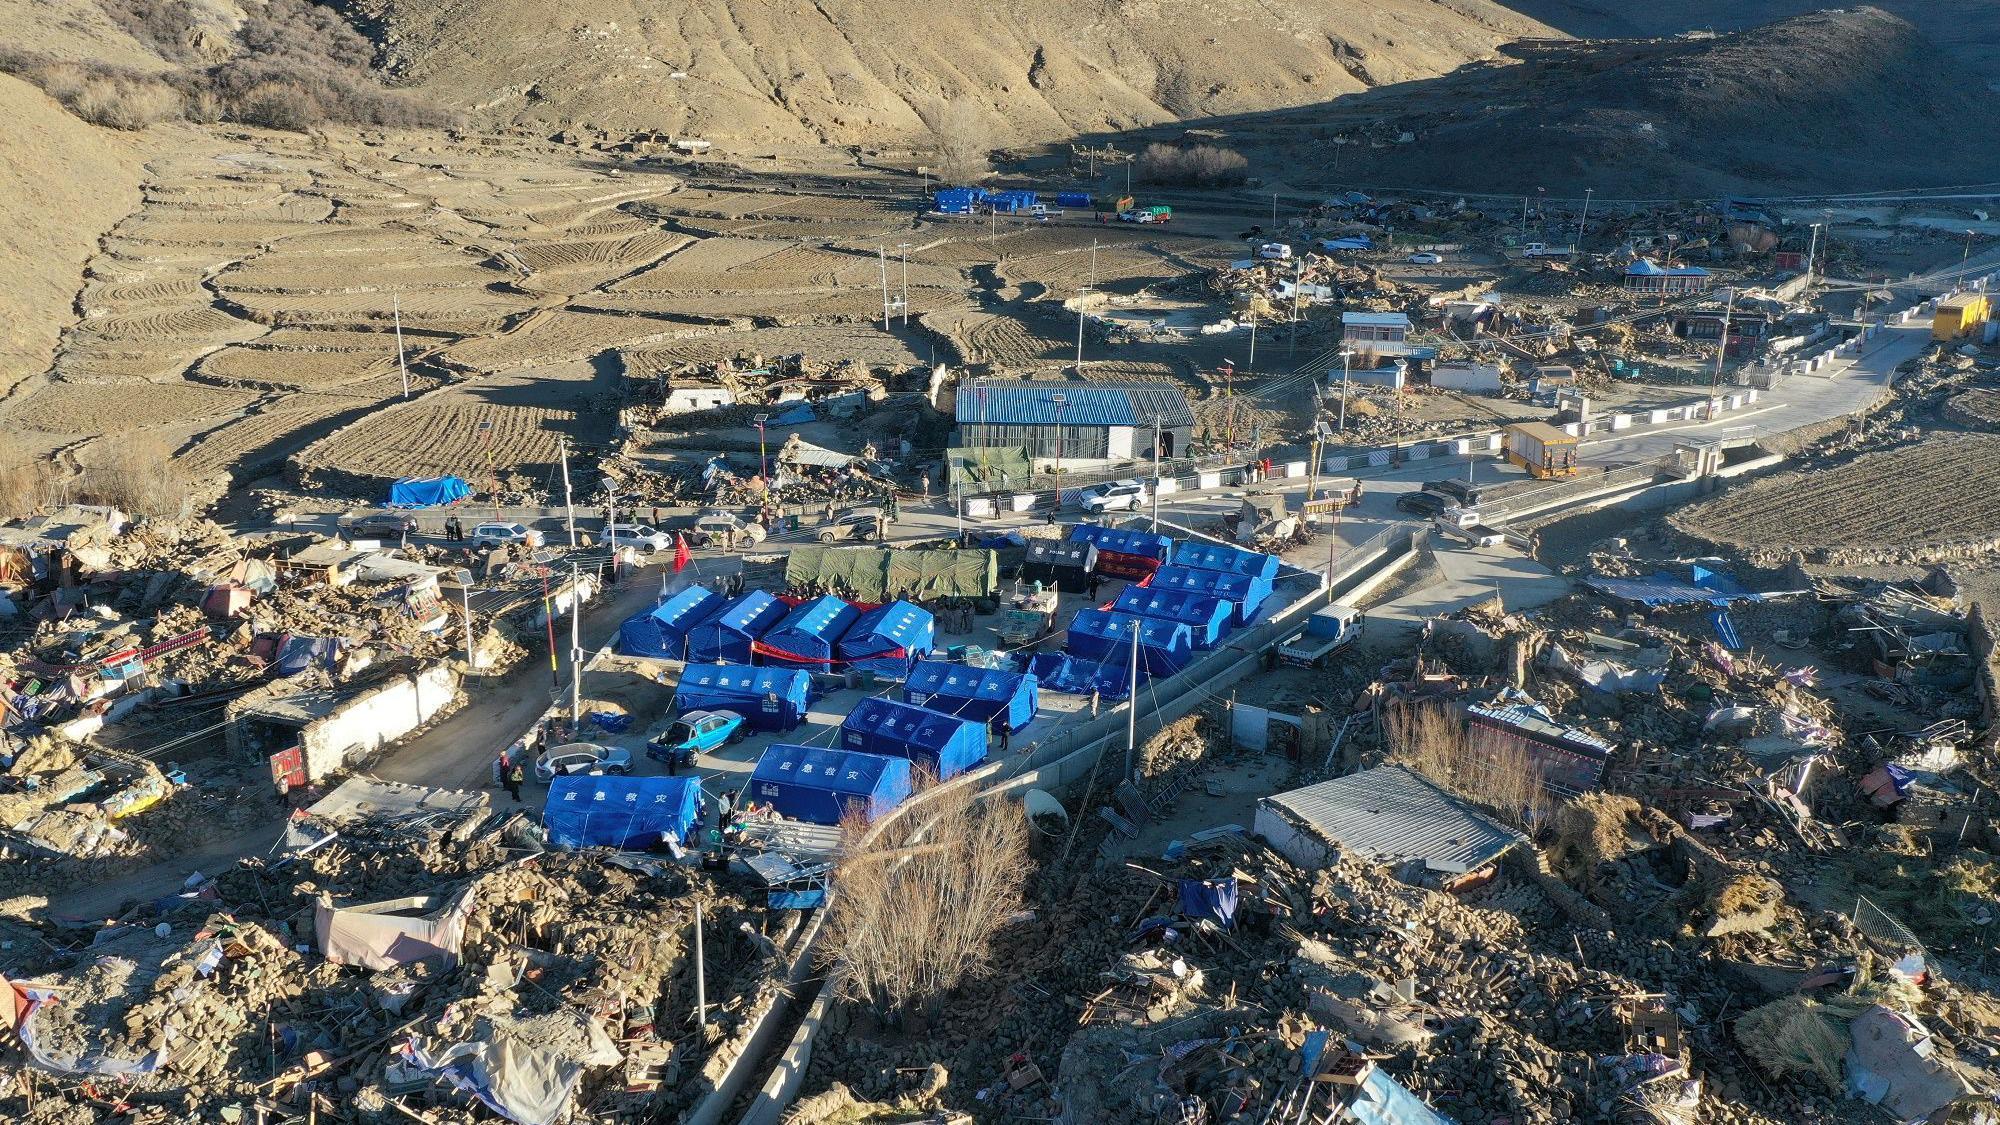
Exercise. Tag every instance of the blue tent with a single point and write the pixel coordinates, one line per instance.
(815, 784)
(632, 813)
(767, 698)
(888, 639)
(1208, 618)
(727, 635)
(808, 634)
(427, 492)
(981, 694)
(1229, 560)
(1058, 671)
(662, 631)
(1245, 593)
(1165, 647)
(1144, 544)
(944, 745)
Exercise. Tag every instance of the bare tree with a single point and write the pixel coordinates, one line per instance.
(915, 910)
(1193, 166)
(964, 141)
(140, 477)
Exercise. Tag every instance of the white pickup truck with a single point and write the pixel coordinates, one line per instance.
(1327, 631)
(1544, 250)
(1463, 523)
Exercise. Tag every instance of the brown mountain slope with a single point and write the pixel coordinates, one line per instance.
(854, 70)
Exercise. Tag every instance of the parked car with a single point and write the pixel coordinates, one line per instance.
(386, 524)
(1462, 493)
(726, 529)
(1112, 496)
(854, 523)
(581, 757)
(1422, 503)
(497, 534)
(696, 732)
(1426, 258)
(647, 539)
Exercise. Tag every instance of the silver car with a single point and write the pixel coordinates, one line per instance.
(581, 757)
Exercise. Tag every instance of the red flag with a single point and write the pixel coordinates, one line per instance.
(681, 555)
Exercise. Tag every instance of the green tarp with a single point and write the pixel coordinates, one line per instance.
(989, 470)
(872, 574)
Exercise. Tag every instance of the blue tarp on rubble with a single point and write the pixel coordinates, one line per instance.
(629, 813)
(980, 694)
(819, 785)
(1708, 587)
(888, 639)
(427, 492)
(298, 652)
(1208, 619)
(767, 698)
(728, 635)
(942, 745)
(1211, 899)
(662, 632)
(1244, 593)
(797, 415)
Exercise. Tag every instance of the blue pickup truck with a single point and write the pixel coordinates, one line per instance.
(696, 732)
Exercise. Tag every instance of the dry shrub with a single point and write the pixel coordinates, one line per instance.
(100, 94)
(1193, 166)
(1595, 828)
(1431, 739)
(914, 911)
(140, 478)
(1796, 1036)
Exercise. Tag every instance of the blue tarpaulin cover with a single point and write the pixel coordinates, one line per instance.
(1212, 899)
(1382, 1100)
(1145, 544)
(727, 635)
(1208, 619)
(795, 416)
(662, 632)
(1057, 671)
(1725, 630)
(1245, 593)
(427, 492)
(819, 785)
(297, 652)
(1105, 636)
(1708, 587)
(808, 634)
(767, 698)
(631, 813)
(1229, 560)
(888, 639)
(981, 694)
(940, 744)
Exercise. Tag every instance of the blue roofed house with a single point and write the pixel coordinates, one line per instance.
(1079, 424)
(1649, 277)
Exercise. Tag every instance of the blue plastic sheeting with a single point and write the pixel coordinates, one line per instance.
(1229, 560)
(427, 492)
(1382, 1100)
(1211, 899)
(1208, 619)
(1708, 588)
(984, 695)
(1725, 630)
(297, 652)
(809, 634)
(818, 785)
(796, 416)
(629, 813)
(1057, 671)
(727, 636)
(942, 745)
(888, 639)
(1245, 593)
(767, 698)
(1145, 544)
(1165, 647)
(662, 632)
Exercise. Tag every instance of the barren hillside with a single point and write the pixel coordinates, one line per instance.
(850, 71)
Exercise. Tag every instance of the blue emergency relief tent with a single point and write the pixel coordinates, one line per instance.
(807, 637)
(1165, 647)
(888, 639)
(957, 201)
(1059, 671)
(1244, 593)
(819, 785)
(631, 813)
(1229, 560)
(662, 632)
(728, 635)
(767, 698)
(980, 694)
(942, 745)
(427, 492)
(1208, 618)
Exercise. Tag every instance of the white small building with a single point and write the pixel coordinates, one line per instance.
(1381, 333)
(1478, 378)
(693, 397)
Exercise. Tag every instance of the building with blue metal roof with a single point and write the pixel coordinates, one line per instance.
(941, 745)
(819, 785)
(1075, 422)
(983, 694)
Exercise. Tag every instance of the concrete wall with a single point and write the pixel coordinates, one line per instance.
(370, 721)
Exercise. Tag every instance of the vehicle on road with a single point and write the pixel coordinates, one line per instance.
(1327, 631)
(1544, 250)
(1422, 503)
(389, 524)
(501, 534)
(1275, 252)
(1154, 214)
(1426, 258)
(581, 757)
(1464, 523)
(696, 732)
(1112, 496)
(1462, 493)
(647, 539)
(723, 528)
(852, 524)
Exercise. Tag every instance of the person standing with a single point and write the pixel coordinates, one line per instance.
(514, 779)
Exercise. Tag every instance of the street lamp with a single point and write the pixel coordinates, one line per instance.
(1061, 400)
(903, 249)
(1346, 363)
(1080, 317)
(763, 463)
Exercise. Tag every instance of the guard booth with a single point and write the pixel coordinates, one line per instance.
(943, 746)
(767, 698)
(1543, 450)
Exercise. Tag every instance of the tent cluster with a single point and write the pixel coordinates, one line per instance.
(1173, 611)
(701, 626)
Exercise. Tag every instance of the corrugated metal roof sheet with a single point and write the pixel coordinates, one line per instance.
(1376, 319)
(1393, 814)
(1646, 267)
(1083, 404)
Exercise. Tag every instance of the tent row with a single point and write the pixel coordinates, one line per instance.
(884, 746)
(701, 626)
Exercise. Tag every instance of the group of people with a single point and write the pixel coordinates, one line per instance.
(454, 531)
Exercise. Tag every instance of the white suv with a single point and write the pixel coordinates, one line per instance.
(638, 535)
(494, 534)
(1113, 496)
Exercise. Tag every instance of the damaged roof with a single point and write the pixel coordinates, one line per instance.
(1391, 813)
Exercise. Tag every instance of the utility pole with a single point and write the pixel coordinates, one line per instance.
(1274, 212)
(1584, 219)
(1093, 264)
(1812, 248)
(576, 647)
(882, 268)
(1156, 473)
(700, 972)
(1061, 400)
(1132, 706)
(1346, 360)
(569, 498)
(1524, 218)
(465, 603)
(904, 248)
(763, 461)
(1298, 277)
(1079, 333)
(402, 364)
(1721, 351)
